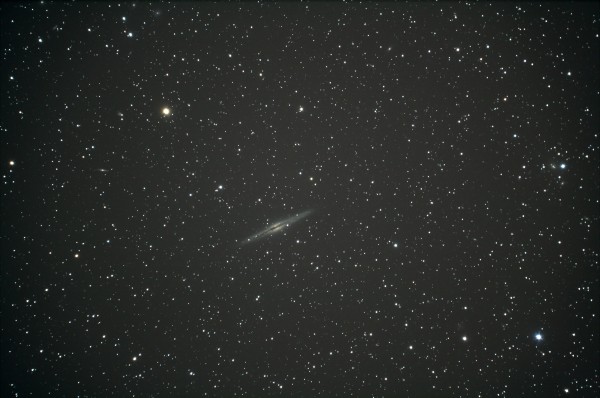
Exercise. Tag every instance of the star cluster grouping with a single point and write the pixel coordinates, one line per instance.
(299, 199)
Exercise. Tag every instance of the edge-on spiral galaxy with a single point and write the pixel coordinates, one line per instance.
(276, 227)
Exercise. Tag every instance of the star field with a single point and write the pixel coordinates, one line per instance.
(437, 165)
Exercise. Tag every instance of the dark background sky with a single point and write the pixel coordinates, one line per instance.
(448, 155)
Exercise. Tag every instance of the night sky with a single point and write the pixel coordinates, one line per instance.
(299, 199)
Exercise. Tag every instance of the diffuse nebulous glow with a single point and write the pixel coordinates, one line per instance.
(276, 227)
